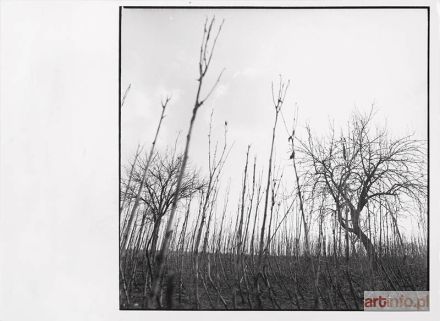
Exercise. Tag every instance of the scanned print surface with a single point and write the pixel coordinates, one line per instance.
(273, 159)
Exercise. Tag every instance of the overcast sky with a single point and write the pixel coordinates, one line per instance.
(337, 61)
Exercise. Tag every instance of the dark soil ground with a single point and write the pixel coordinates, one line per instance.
(285, 282)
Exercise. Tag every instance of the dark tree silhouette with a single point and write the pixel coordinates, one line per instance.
(160, 189)
(361, 167)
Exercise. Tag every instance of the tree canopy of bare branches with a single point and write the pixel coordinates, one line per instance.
(363, 167)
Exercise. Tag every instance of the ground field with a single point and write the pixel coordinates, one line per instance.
(284, 283)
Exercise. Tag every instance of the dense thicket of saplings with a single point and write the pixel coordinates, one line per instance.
(311, 236)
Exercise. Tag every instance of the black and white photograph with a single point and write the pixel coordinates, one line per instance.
(236, 160)
(272, 158)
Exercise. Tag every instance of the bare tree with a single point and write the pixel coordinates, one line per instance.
(205, 58)
(277, 100)
(160, 189)
(128, 185)
(124, 238)
(363, 167)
